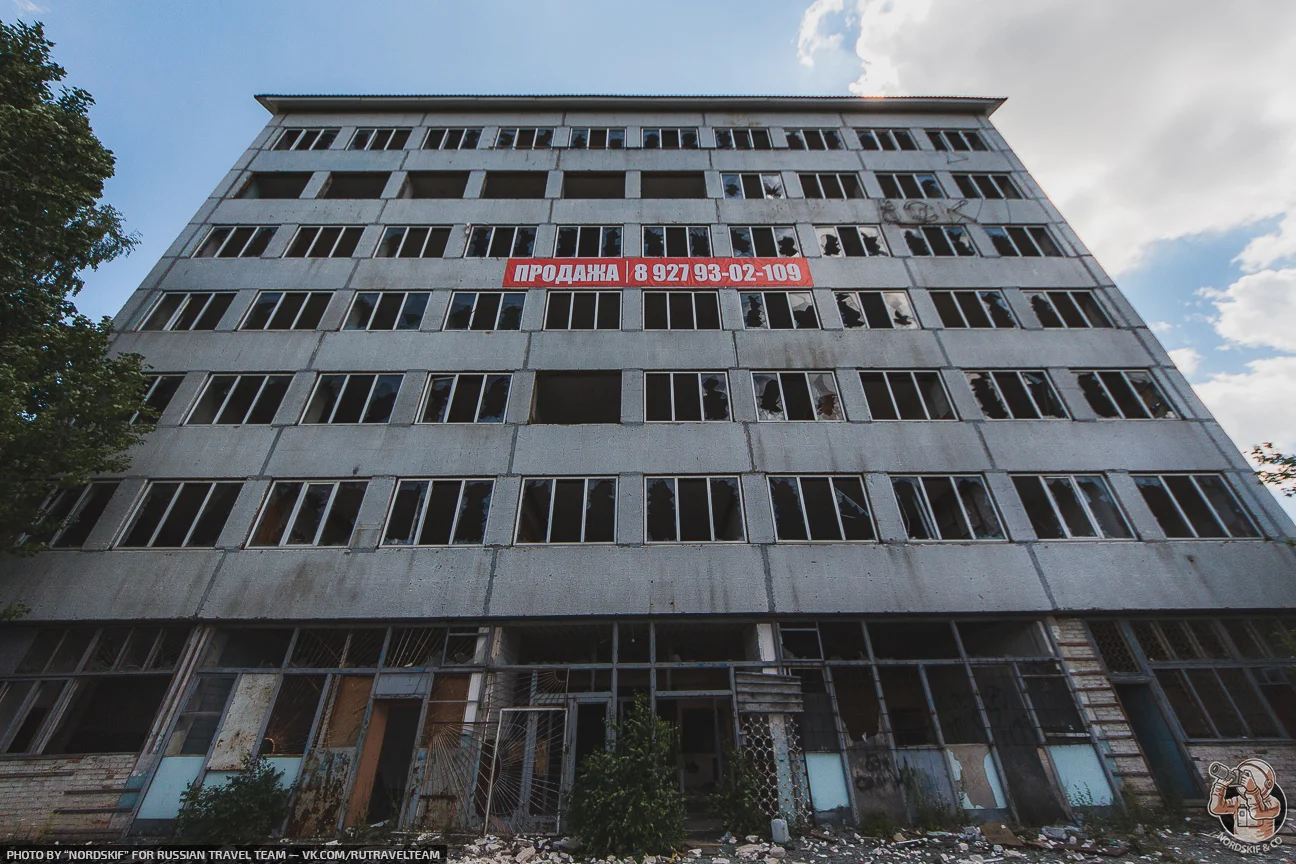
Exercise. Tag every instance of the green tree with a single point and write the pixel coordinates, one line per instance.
(245, 809)
(1277, 469)
(64, 403)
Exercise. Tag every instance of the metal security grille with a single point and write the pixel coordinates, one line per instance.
(773, 757)
(1112, 647)
(524, 791)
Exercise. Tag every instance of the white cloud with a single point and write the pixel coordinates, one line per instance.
(1160, 327)
(29, 7)
(1187, 359)
(1258, 310)
(811, 40)
(1268, 249)
(1143, 121)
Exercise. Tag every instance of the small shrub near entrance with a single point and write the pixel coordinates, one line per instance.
(736, 801)
(245, 810)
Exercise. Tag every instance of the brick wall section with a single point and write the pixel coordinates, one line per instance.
(1280, 756)
(68, 797)
(1103, 710)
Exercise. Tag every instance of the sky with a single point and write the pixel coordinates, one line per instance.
(1164, 130)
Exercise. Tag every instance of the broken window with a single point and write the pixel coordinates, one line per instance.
(188, 311)
(918, 395)
(325, 241)
(991, 186)
(906, 703)
(685, 396)
(594, 184)
(1070, 506)
(1051, 699)
(452, 138)
(672, 184)
(108, 714)
(779, 310)
(577, 397)
(681, 310)
(947, 507)
(563, 643)
(466, 398)
(815, 139)
(322, 648)
(857, 701)
(831, 186)
(24, 708)
(515, 184)
(670, 139)
(235, 241)
(885, 139)
(753, 186)
(800, 641)
(172, 514)
(877, 310)
(676, 241)
(365, 398)
(287, 310)
(959, 140)
(975, 309)
(389, 138)
(956, 706)
(820, 508)
(158, 392)
(524, 138)
(852, 241)
(387, 310)
(764, 241)
(1023, 241)
(1130, 394)
(309, 513)
(196, 727)
(1006, 638)
(1069, 309)
(501, 241)
(305, 139)
(439, 512)
(693, 509)
(743, 139)
(941, 241)
(240, 399)
(583, 310)
(435, 184)
(275, 184)
(293, 716)
(567, 510)
(586, 138)
(355, 184)
(588, 241)
(1195, 506)
(910, 186)
(73, 513)
(1010, 394)
(796, 396)
(485, 310)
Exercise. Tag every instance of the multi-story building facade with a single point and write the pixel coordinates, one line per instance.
(808, 419)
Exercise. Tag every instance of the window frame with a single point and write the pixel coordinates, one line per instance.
(762, 180)
(604, 231)
(609, 135)
(874, 232)
(588, 482)
(173, 381)
(919, 179)
(344, 231)
(1021, 381)
(998, 181)
(963, 140)
(1228, 534)
(85, 493)
(957, 298)
(722, 374)
(396, 138)
(435, 233)
(922, 396)
(711, 515)
(265, 377)
(739, 133)
(137, 508)
(302, 132)
(325, 514)
(856, 295)
(446, 131)
(274, 310)
(803, 136)
(421, 515)
(600, 298)
(472, 314)
(690, 235)
(931, 523)
(770, 479)
(1044, 481)
(1098, 376)
(947, 234)
(182, 308)
(778, 375)
(401, 313)
(838, 177)
(891, 134)
(337, 402)
(764, 294)
(683, 134)
(519, 232)
(421, 414)
(776, 234)
(1012, 235)
(693, 302)
(515, 134)
(1047, 296)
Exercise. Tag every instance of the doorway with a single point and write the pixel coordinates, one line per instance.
(1175, 779)
(705, 733)
(383, 770)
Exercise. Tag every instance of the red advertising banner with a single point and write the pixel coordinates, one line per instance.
(657, 272)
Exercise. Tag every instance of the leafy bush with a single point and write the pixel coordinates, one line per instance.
(627, 799)
(244, 810)
(736, 801)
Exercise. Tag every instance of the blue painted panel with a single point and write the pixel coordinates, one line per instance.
(1081, 774)
(173, 776)
(827, 781)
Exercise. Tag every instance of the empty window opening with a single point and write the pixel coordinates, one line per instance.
(941, 241)
(974, 309)
(173, 514)
(1003, 639)
(158, 392)
(515, 184)
(524, 138)
(910, 186)
(355, 184)
(583, 310)
(820, 508)
(672, 184)
(388, 748)
(796, 396)
(684, 397)
(779, 310)
(1011, 394)
(439, 512)
(1070, 506)
(567, 510)
(670, 139)
(990, 186)
(958, 140)
(681, 310)
(857, 702)
(288, 729)
(501, 241)
(1023, 241)
(275, 184)
(452, 138)
(588, 241)
(743, 139)
(577, 397)
(435, 184)
(815, 139)
(947, 508)
(109, 715)
(287, 310)
(877, 310)
(240, 399)
(1195, 506)
(1068, 309)
(712, 642)
(842, 640)
(913, 640)
(906, 702)
(1130, 394)
(851, 241)
(466, 398)
(885, 139)
(676, 241)
(72, 513)
(305, 139)
(594, 184)
(692, 509)
(235, 241)
(918, 395)
(754, 186)
(485, 310)
(389, 138)
(353, 399)
(566, 643)
(182, 311)
(309, 513)
(387, 310)
(956, 706)
(587, 138)
(325, 241)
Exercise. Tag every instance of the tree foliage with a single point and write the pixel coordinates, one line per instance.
(246, 809)
(737, 798)
(64, 403)
(1277, 469)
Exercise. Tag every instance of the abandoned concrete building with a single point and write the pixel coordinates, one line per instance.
(810, 419)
